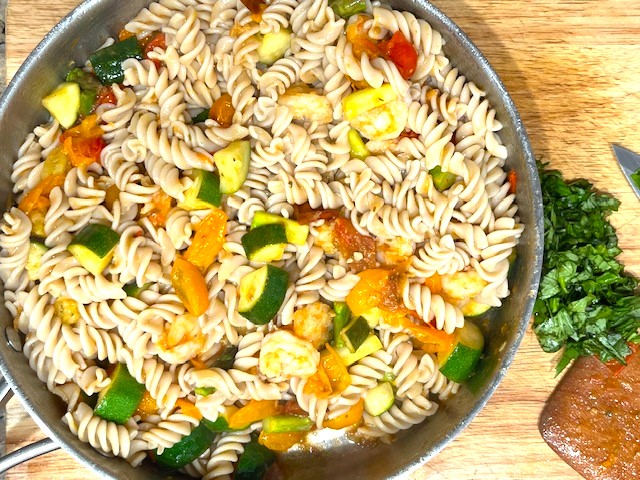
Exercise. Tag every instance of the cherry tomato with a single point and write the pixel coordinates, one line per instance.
(350, 242)
(158, 209)
(305, 215)
(222, 111)
(402, 53)
(106, 95)
(154, 40)
(513, 181)
(360, 41)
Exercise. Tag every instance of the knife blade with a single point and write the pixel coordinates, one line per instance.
(629, 164)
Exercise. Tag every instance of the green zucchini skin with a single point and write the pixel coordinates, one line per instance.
(188, 448)
(107, 62)
(254, 462)
(258, 243)
(271, 295)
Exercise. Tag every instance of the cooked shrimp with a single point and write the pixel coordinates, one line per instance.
(181, 340)
(307, 105)
(397, 251)
(384, 122)
(283, 355)
(313, 323)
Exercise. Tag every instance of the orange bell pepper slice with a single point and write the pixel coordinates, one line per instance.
(318, 384)
(32, 200)
(280, 442)
(252, 412)
(434, 282)
(208, 240)
(83, 143)
(432, 339)
(189, 409)
(513, 181)
(335, 370)
(351, 417)
(190, 286)
(360, 40)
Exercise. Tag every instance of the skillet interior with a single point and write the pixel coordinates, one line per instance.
(81, 33)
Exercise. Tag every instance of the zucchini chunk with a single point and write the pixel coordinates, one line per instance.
(340, 320)
(222, 422)
(262, 293)
(457, 363)
(274, 46)
(233, 165)
(254, 462)
(226, 358)
(371, 345)
(358, 147)
(204, 193)
(442, 180)
(133, 290)
(89, 87)
(379, 399)
(296, 233)
(64, 103)
(188, 448)
(107, 62)
(266, 243)
(119, 400)
(93, 247)
(37, 249)
(355, 334)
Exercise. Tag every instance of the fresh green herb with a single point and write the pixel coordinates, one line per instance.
(586, 302)
(204, 391)
(635, 176)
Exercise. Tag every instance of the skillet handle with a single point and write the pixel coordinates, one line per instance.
(27, 452)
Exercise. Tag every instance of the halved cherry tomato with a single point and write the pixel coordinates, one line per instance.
(368, 292)
(353, 416)
(349, 241)
(255, 6)
(83, 151)
(360, 40)
(106, 95)
(513, 181)
(158, 209)
(32, 200)
(304, 214)
(124, 34)
(208, 240)
(280, 442)
(402, 53)
(252, 412)
(154, 40)
(432, 339)
(190, 286)
(222, 111)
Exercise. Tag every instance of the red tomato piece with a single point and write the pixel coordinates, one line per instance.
(402, 53)
(349, 241)
(513, 181)
(304, 214)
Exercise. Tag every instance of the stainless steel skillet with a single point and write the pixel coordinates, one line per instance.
(81, 33)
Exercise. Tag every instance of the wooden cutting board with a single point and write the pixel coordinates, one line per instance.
(573, 70)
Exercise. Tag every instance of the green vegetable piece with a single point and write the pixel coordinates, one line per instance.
(286, 424)
(296, 233)
(204, 193)
(265, 243)
(340, 320)
(204, 391)
(233, 165)
(379, 399)
(89, 87)
(254, 462)
(635, 176)
(458, 363)
(187, 449)
(63, 103)
(133, 290)
(262, 293)
(273, 46)
(442, 180)
(355, 334)
(107, 62)
(358, 147)
(227, 357)
(347, 8)
(37, 249)
(371, 345)
(117, 402)
(93, 247)
(201, 117)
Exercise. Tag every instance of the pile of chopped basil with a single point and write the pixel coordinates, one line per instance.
(586, 301)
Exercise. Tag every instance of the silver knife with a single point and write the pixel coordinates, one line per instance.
(629, 164)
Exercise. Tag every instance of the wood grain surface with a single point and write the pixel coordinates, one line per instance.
(573, 70)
